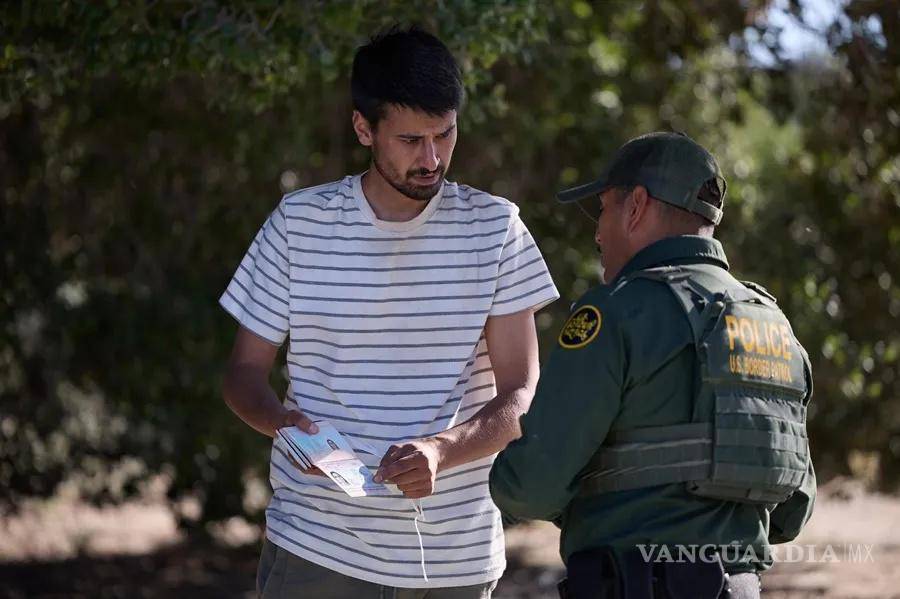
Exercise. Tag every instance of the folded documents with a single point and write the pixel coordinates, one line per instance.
(329, 451)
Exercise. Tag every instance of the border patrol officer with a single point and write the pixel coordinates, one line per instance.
(667, 437)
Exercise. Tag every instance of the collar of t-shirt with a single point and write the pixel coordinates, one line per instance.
(386, 225)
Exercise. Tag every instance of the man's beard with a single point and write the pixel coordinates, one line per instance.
(421, 193)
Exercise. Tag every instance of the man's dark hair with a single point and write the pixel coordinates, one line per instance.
(408, 67)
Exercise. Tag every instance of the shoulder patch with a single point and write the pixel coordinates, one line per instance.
(581, 328)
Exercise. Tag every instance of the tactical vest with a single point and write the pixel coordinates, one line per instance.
(747, 440)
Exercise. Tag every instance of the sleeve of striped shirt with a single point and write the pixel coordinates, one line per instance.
(523, 280)
(258, 293)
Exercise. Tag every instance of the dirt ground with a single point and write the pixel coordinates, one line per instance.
(60, 548)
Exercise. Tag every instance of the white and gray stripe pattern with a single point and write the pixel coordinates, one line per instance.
(385, 325)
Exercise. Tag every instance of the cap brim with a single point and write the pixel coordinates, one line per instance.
(582, 191)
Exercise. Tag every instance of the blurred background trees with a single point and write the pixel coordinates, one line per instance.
(142, 144)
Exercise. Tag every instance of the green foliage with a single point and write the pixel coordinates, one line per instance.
(142, 144)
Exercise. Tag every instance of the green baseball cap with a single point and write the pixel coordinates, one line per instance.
(671, 166)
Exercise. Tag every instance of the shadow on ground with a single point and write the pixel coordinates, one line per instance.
(201, 568)
(137, 551)
(196, 568)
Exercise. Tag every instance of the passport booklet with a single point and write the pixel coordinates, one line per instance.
(330, 452)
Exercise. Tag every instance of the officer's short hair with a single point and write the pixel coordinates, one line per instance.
(711, 193)
(684, 221)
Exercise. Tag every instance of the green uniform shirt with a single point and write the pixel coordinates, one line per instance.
(629, 362)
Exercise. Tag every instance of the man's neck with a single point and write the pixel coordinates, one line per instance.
(387, 203)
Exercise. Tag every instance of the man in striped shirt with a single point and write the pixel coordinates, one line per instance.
(407, 301)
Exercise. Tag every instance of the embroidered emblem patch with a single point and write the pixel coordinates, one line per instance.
(581, 328)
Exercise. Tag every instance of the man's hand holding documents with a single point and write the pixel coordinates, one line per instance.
(328, 451)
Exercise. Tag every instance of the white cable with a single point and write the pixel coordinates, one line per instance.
(420, 514)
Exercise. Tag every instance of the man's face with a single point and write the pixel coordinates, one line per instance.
(611, 234)
(412, 150)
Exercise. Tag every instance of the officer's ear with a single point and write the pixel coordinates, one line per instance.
(637, 208)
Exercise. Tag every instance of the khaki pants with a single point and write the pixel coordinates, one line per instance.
(283, 575)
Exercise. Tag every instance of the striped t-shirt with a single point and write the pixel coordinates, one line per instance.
(386, 324)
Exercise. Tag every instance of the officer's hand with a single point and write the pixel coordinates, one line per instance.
(301, 421)
(412, 467)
